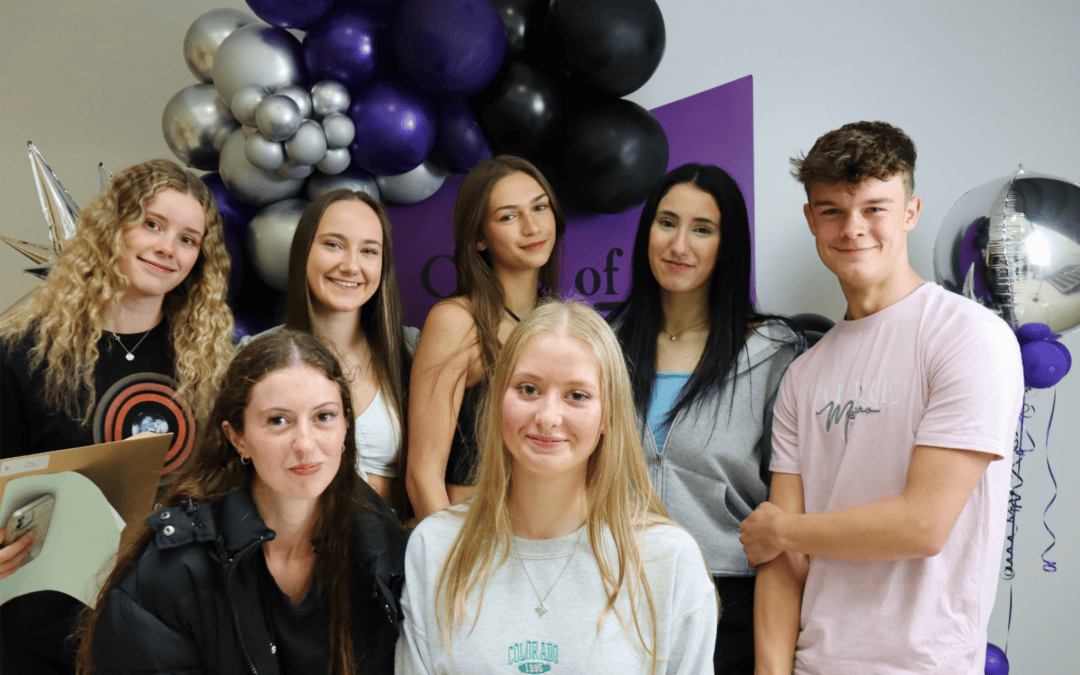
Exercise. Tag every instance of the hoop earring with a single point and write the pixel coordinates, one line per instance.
(244, 460)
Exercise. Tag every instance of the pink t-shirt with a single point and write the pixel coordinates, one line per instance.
(933, 369)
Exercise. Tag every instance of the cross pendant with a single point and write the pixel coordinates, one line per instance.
(540, 609)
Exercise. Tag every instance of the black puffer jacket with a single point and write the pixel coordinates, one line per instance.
(190, 603)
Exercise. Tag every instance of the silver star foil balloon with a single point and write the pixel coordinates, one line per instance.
(1013, 244)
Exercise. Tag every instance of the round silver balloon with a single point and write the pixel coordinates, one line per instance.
(278, 117)
(269, 238)
(335, 161)
(196, 123)
(259, 54)
(205, 36)
(291, 170)
(264, 153)
(412, 186)
(308, 145)
(300, 96)
(329, 96)
(249, 183)
(355, 180)
(1013, 245)
(245, 101)
(339, 130)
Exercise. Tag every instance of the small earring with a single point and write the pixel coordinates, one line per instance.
(480, 246)
(245, 460)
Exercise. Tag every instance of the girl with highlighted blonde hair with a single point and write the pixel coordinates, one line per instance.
(129, 333)
(563, 559)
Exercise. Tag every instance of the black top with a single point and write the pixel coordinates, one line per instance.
(132, 396)
(298, 632)
(464, 448)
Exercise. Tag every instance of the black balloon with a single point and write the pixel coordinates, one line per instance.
(523, 20)
(519, 110)
(615, 45)
(612, 155)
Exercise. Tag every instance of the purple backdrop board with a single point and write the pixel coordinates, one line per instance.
(713, 127)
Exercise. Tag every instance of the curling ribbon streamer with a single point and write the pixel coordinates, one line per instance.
(1049, 565)
(1019, 451)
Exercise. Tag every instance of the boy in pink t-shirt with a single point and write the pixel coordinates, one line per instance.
(879, 547)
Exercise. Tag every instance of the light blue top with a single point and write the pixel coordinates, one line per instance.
(665, 395)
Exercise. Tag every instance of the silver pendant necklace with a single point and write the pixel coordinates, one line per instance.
(675, 335)
(130, 352)
(540, 609)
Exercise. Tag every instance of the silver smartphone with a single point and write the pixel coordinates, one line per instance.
(34, 516)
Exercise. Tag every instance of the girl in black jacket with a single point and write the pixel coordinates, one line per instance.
(271, 556)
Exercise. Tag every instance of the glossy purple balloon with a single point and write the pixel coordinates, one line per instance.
(996, 663)
(346, 45)
(236, 215)
(1045, 363)
(452, 48)
(290, 13)
(460, 138)
(1032, 332)
(395, 129)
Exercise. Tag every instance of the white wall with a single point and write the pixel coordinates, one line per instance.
(979, 86)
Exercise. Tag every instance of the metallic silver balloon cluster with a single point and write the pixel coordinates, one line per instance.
(1013, 245)
(249, 117)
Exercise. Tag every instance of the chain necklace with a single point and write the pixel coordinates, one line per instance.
(675, 335)
(130, 352)
(541, 609)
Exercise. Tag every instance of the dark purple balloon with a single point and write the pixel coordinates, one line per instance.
(248, 326)
(395, 129)
(452, 48)
(290, 13)
(236, 216)
(996, 663)
(460, 139)
(1034, 332)
(346, 45)
(1045, 363)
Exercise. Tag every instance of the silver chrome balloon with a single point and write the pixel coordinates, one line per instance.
(339, 130)
(335, 161)
(329, 96)
(320, 184)
(246, 101)
(1013, 244)
(196, 123)
(269, 238)
(290, 170)
(278, 117)
(205, 36)
(299, 95)
(258, 54)
(263, 153)
(249, 183)
(308, 145)
(412, 186)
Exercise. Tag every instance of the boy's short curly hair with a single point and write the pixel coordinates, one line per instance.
(855, 152)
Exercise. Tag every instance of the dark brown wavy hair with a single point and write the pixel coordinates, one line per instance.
(214, 470)
(855, 152)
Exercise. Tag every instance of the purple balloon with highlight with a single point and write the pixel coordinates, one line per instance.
(451, 48)
(395, 129)
(460, 139)
(996, 663)
(346, 46)
(1045, 363)
(235, 216)
(290, 13)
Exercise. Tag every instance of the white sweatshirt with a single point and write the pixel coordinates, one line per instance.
(510, 637)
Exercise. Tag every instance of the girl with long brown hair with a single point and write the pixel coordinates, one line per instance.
(507, 228)
(271, 555)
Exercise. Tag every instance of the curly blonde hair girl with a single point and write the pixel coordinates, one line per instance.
(64, 321)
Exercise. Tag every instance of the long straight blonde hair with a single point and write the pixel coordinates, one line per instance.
(621, 497)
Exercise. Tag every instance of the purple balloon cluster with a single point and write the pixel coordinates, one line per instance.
(1045, 359)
